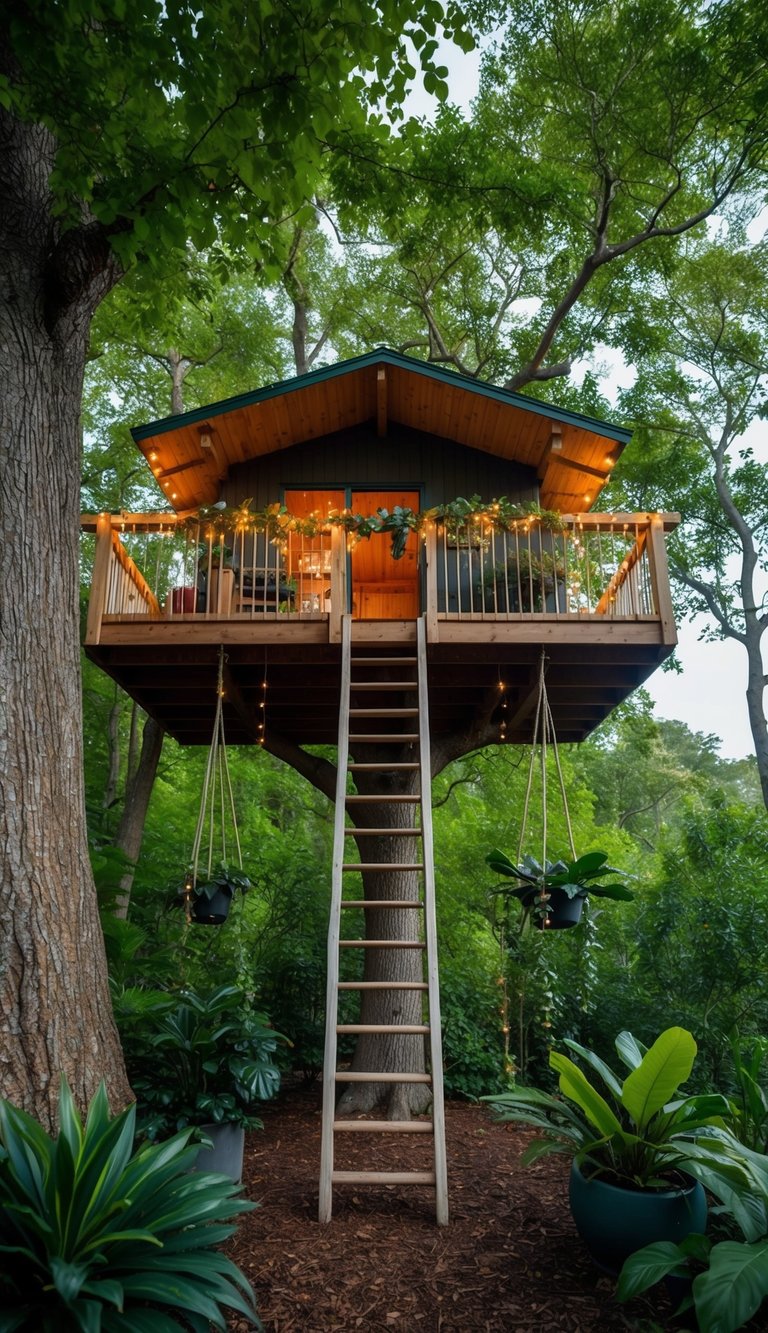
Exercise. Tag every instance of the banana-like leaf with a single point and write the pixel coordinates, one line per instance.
(629, 1049)
(660, 1073)
(600, 1067)
(576, 1086)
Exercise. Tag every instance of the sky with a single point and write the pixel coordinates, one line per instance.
(708, 695)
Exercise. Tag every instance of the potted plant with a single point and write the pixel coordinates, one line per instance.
(553, 894)
(638, 1165)
(211, 898)
(528, 581)
(199, 1058)
(95, 1235)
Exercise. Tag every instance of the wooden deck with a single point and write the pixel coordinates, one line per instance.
(597, 652)
(170, 669)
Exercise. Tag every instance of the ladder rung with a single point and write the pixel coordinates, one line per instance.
(383, 712)
(406, 800)
(383, 1178)
(382, 985)
(381, 832)
(380, 1077)
(370, 738)
(383, 865)
(382, 944)
(383, 1126)
(384, 684)
(409, 1028)
(379, 902)
(383, 661)
(378, 768)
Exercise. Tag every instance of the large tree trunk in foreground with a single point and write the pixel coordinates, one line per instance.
(55, 1011)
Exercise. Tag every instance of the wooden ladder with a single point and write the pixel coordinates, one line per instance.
(415, 730)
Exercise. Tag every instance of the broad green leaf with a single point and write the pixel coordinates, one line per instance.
(734, 1287)
(663, 1068)
(599, 1066)
(629, 1049)
(573, 1084)
(647, 1267)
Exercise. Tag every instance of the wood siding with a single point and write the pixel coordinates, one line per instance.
(439, 469)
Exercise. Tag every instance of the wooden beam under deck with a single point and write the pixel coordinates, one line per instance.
(170, 668)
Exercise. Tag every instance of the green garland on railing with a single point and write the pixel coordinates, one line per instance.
(278, 522)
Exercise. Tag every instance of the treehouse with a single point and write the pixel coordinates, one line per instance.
(383, 549)
(378, 432)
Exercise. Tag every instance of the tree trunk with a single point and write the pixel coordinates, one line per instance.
(756, 686)
(55, 1011)
(130, 830)
(113, 750)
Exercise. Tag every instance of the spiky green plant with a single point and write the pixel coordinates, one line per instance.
(95, 1238)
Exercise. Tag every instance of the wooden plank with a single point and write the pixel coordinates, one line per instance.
(383, 1178)
(100, 580)
(380, 903)
(430, 933)
(382, 1126)
(332, 977)
(411, 1029)
(368, 738)
(350, 1076)
(382, 985)
(430, 610)
(659, 570)
(382, 944)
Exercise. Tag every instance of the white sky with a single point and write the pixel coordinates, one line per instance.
(709, 694)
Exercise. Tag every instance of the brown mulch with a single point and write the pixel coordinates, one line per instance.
(509, 1259)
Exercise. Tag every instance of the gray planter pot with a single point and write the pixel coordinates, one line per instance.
(226, 1156)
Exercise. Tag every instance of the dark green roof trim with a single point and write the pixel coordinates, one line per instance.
(387, 357)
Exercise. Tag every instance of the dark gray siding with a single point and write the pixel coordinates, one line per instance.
(440, 469)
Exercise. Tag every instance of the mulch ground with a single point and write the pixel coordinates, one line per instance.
(509, 1260)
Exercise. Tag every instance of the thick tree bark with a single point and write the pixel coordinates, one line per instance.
(55, 1011)
(130, 831)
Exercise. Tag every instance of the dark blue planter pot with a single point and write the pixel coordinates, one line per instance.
(564, 912)
(212, 911)
(614, 1222)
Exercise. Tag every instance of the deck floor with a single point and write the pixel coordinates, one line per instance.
(170, 669)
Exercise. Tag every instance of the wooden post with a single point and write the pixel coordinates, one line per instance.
(338, 584)
(100, 580)
(430, 557)
(659, 570)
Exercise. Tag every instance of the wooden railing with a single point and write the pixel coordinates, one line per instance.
(597, 566)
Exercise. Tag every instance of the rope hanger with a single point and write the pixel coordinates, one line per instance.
(217, 787)
(544, 734)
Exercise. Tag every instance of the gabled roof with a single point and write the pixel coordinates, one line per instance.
(573, 454)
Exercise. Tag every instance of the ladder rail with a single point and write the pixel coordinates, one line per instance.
(430, 932)
(429, 987)
(334, 931)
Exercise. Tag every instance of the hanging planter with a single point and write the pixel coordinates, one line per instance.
(208, 894)
(553, 893)
(212, 900)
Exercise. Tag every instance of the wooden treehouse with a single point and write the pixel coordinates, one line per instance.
(403, 663)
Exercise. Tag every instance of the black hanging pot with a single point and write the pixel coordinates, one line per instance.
(212, 908)
(562, 912)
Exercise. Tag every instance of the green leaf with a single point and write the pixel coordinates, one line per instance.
(660, 1073)
(574, 1085)
(647, 1267)
(630, 1050)
(734, 1288)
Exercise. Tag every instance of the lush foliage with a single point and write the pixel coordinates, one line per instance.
(196, 1057)
(95, 1236)
(638, 1137)
(574, 879)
